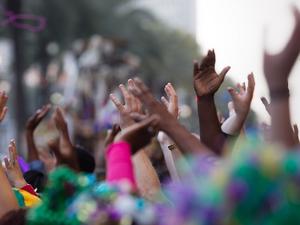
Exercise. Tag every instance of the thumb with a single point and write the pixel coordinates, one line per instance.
(224, 72)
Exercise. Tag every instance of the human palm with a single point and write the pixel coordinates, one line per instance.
(242, 97)
(206, 80)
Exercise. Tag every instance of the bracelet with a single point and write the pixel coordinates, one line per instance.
(171, 147)
(279, 93)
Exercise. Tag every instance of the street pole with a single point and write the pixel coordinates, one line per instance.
(18, 88)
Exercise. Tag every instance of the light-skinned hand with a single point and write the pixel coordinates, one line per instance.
(242, 96)
(12, 167)
(171, 101)
(131, 105)
(3, 107)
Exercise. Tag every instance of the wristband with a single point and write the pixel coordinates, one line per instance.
(171, 147)
(280, 93)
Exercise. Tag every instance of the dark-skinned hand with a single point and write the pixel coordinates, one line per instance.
(110, 137)
(65, 152)
(266, 104)
(142, 92)
(139, 134)
(39, 115)
(277, 67)
(206, 80)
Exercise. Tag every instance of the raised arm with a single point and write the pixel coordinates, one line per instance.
(170, 150)
(241, 102)
(167, 123)
(277, 69)
(63, 149)
(147, 179)
(7, 197)
(129, 141)
(206, 83)
(31, 125)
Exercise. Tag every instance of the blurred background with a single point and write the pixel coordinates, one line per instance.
(74, 53)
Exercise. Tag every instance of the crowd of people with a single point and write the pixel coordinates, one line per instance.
(221, 176)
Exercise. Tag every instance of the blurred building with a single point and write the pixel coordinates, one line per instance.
(180, 14)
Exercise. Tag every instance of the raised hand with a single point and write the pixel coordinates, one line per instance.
(266, 104)
(3, 107)
(39, 115)
(206, 80)
(277, 70)
(65, 151)
(171, 102)
(131, 105)
(139, 134)
(277, 67)
(167, 123)
(242, 97)
(142, 92)
(12, 167)
(31, 125)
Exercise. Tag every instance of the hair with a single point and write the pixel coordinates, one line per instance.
(14, 217)
(36, 179)
(86, 161)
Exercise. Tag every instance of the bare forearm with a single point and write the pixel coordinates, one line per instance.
(210, 129)
(281, 124)
(8, 200)
(146, 177)
(32, 149)
(185, 141)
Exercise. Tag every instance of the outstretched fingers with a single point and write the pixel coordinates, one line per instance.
(116, 102)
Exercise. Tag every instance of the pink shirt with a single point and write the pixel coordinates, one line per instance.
(119, 165)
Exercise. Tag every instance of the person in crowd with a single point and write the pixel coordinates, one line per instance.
(221, 176)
